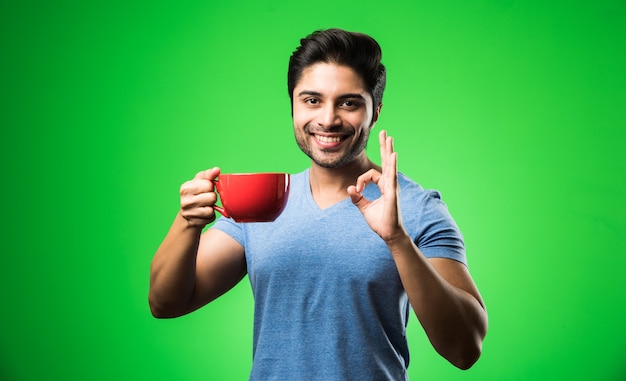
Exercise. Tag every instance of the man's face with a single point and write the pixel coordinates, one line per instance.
(332, 114)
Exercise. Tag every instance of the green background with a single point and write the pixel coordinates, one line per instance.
(514, 110)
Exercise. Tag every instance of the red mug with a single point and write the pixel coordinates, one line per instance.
(252, 197)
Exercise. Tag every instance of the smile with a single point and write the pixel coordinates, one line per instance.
(328, 139)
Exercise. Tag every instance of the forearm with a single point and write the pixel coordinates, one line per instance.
(455, 320)
(173, 269)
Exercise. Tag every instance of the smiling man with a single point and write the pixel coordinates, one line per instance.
(358, 245)
(333, 114)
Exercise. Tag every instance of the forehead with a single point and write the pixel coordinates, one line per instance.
(330, 78)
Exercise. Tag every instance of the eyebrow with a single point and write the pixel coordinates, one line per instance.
(343, 96)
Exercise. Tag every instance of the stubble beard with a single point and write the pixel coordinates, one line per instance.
(321, 160)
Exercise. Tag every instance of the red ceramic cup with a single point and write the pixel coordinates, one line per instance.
(252, 197)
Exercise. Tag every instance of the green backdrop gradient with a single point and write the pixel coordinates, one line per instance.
(515, 111)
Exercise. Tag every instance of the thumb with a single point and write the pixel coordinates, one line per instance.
(209, 174)
(357, 197)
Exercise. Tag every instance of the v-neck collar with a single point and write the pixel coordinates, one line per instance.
(311, 200)
(367, 192)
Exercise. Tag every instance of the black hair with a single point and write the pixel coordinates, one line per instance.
(357, 51)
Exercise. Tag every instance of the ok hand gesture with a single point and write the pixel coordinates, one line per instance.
(383, 214)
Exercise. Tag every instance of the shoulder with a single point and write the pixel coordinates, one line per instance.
(406, 182)
(414, 193)
(429, 221)
(299, 180)
(418, 200)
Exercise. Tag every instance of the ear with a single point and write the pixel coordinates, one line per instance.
(376, 115)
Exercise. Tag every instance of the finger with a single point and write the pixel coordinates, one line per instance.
(382, 141)
(390, 157)
(357, 198)
(201, 183)
(208, 174)
(195, 187)
(391, 173)
(199, 217)
(201, 200)
(370, 176)
(197, 206)
(204, 213)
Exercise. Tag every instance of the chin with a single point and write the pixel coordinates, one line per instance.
(338, 162)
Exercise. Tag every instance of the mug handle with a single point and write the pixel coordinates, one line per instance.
(220, 209)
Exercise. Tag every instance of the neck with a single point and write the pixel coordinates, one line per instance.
(329, 185)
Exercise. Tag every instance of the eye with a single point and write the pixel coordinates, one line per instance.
(312, 101)
(350, 104)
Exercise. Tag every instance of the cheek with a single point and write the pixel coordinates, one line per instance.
(361, 120)
(297, 120)
(300, 116)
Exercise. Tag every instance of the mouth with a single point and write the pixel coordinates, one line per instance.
(329, 141)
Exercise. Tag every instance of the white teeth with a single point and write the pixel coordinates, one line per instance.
(328, 139)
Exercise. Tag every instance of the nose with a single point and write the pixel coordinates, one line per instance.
(328, 116)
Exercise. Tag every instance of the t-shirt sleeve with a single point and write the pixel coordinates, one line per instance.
(439, 236)
(231, 228)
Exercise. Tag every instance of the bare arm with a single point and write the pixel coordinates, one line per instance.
(191, 269)
(441, 291)
(445, 300)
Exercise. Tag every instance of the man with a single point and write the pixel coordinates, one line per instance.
(357, 244)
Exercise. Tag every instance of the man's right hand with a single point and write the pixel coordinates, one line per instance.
(197, 198)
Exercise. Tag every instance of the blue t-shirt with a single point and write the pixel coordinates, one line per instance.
(329, 304)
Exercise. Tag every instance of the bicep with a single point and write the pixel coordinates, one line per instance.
(220, 265)
(457, 275)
